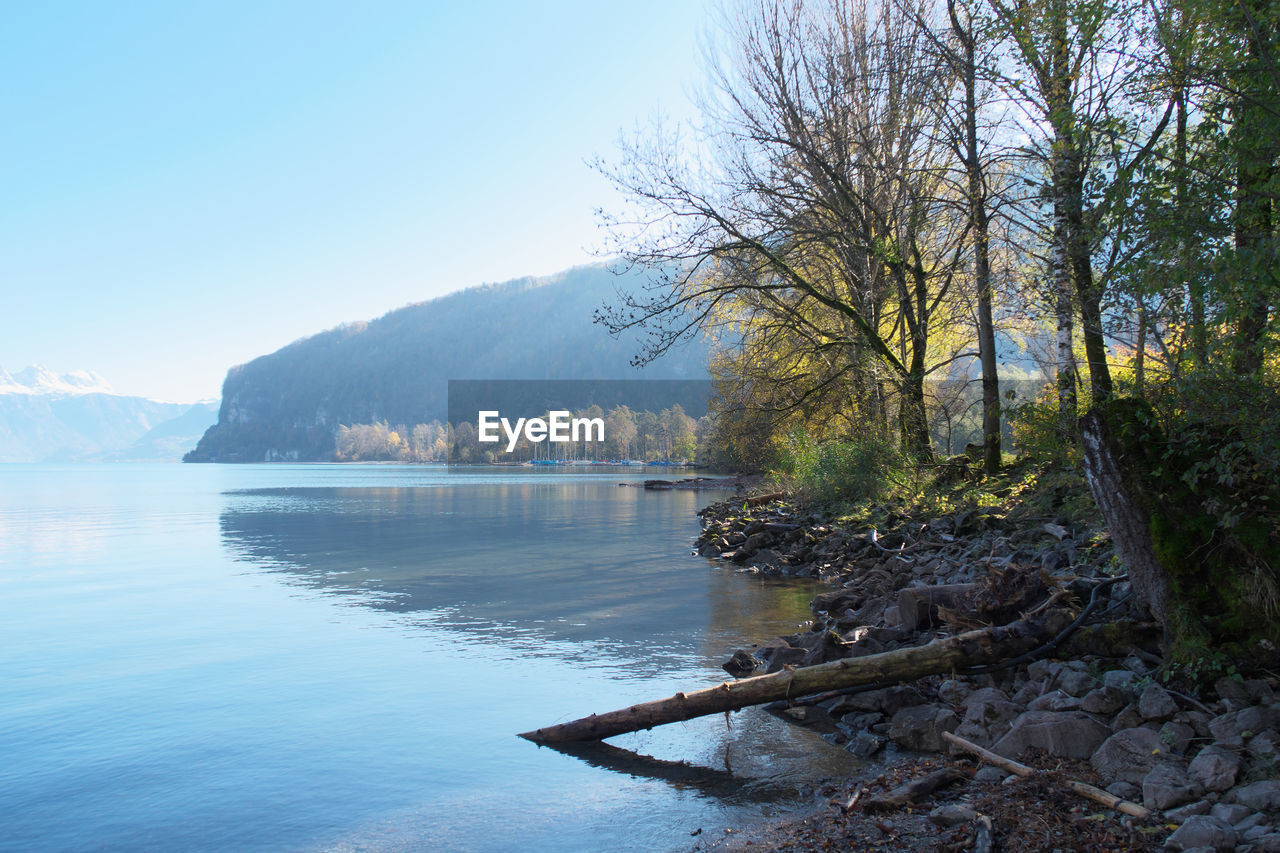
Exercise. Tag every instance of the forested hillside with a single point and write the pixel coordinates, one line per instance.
(290, 404)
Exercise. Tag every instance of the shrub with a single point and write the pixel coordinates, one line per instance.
(855, 469)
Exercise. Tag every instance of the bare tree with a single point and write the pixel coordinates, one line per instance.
(810, 204)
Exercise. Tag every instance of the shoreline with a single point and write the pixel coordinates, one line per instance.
(1204, 763)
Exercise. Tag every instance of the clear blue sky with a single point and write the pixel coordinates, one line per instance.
(189, 185)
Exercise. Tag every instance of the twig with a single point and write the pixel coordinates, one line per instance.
(1089, 791)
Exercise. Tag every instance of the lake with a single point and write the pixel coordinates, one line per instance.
(338, 657)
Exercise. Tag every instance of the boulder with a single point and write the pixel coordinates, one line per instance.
(1214, 769)
(1260, 796)
(1128, 718)
(1055, 700)
(1128, 755)
(921, 727)
(1253, 720)
(1167, 785)
(1230, 813)
(1264, 746)
(1156, 703)
(988, 713)
(866, 744)
(1177, 736)
(1203, 831)
(1063, 734)
(1073, 682)
(1119, 679)
(1103, 700)
(886, 700)
(1269, 843)
(1181, 813)
(780, 657)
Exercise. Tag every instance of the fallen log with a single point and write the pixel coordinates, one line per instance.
(1084, 789)
(972, 648)
(915, 790)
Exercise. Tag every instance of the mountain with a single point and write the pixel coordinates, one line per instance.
(77, 416)
(38, 380)
(289, 404)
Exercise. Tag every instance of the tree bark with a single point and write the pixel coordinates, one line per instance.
(1126, 518)
(991, 456)
(973, 648)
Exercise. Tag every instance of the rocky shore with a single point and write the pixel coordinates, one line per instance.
(1096, 708)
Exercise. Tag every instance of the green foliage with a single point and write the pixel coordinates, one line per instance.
(1214, 511)
(865, 468)
(1036, 431)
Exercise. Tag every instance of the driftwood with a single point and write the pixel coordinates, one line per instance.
(972, 648)
(915, 790)
(918, 605)
(1018, 769)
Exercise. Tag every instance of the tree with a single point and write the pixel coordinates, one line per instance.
(813, 208)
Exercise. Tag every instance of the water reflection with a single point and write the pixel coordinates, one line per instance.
(532, 562)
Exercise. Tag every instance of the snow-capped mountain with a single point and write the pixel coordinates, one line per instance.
(78, 416)
(39, 380)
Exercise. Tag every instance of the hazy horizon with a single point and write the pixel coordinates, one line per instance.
(194, 187)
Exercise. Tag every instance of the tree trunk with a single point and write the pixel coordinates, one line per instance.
(1127, 520)
(1255, 152)
(972, 648)
(991, 457)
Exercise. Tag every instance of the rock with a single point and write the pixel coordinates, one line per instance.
(951, 815)
(1027, 693)
(990, 775)
(953, 692)
(741, 663)
(1128, 718)
(1265, 745)
(1214, 769)
(1156, 703)
(1063, 734)
(780, 657)
(1128, 755)
(1125, 791)
(1254, 819)
(866, 744)
(1177, 736)
(1254, 720)
(921, 727)
(988, 713)
(1231, 688)
(1256, 832)
(1230, 813)
(1181, 813)
(1203, 831)
(1119, 679)
(1104, 700)
(1076, 683)
(1269, 843)
(1259, 690)
(1055, 700)
(1260, 796)
(886, 700)
(1166, 786)
(1038, 670)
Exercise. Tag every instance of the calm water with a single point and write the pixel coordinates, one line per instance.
(339, 657)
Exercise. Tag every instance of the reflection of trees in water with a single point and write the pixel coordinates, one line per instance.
(579, 562)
